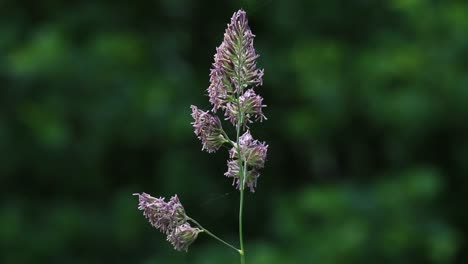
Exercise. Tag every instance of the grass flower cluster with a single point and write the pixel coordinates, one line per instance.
(234, 75)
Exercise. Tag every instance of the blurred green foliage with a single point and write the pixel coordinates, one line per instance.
(367, 127)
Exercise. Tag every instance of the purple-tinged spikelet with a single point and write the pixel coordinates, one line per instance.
(165, 216)
(253, 151)
(234, 67)
(250, 104)
(208, 129)
(238, 53)
(220, 84)
(233, 169)
(183, 236)
(235, 173)
(253, 155)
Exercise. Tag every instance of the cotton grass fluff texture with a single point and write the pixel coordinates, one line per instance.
(233, 76)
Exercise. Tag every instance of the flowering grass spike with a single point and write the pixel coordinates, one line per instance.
(234, 67)
(183, 236)
(233, 76)
(165, 216)
(208, 129)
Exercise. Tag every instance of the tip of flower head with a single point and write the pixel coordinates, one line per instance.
(234, 67)
(239, 13)
(175, 199)
(239, 20)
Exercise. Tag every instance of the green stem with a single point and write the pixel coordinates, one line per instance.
(241, 207)
(242, 168)
(213, 235)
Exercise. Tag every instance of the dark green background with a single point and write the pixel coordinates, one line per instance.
(367, 127)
